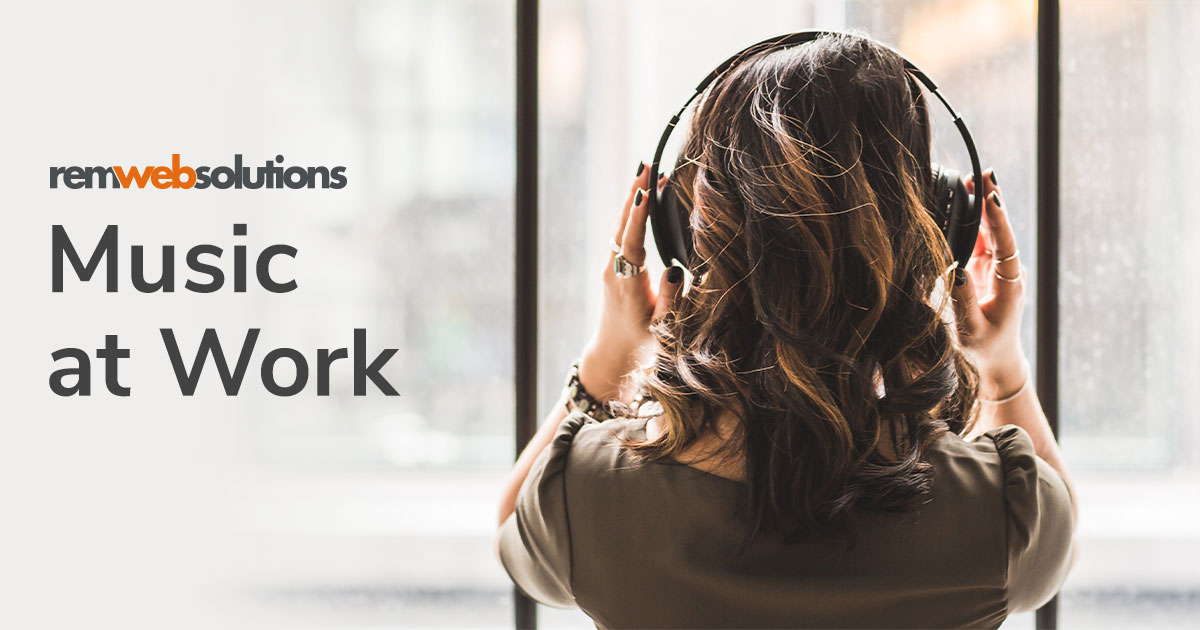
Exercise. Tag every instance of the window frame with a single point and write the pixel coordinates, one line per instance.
(526, 251)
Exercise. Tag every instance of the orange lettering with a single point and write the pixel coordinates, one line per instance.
(186, 170)
(162, 177)
(133, 176)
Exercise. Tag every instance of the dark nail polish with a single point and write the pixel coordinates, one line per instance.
(641, 167)
(675, 274)
(992, 175)
(637, 199)
(994, 198)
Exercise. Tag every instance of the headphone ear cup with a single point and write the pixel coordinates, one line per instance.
(951, 211)
(669, 221)
(963, 228)
(943, 191)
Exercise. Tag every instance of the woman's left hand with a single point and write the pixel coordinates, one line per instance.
(629, 303)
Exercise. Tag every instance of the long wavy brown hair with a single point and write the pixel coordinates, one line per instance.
(816, 313)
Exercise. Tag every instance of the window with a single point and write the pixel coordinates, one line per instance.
(380, 510)
(1129, 419)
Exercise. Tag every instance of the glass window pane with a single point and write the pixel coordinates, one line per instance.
(1128, 354)
(397, 494)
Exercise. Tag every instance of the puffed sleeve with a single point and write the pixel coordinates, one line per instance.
(1040, 521)
(535, 541)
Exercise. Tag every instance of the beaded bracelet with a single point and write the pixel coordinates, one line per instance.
(578, 397)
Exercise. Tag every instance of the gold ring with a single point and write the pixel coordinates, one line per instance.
(1007, 258)
(1006, 278)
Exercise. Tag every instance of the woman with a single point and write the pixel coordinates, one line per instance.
(835, 434)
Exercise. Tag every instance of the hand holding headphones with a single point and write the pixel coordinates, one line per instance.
(629, 303)
(988, 305)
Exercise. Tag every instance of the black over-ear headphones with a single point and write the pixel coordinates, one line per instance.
(955, 212)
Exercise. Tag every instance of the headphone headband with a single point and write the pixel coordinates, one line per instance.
(794, 39)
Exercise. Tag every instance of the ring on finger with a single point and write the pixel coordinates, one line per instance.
(614, 246)
(1012, 256)
(1017, 278)
(622, 268)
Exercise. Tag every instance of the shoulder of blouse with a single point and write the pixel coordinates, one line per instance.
(535, 540)
(1040, 523)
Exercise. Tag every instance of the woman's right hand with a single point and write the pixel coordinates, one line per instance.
(988, 306)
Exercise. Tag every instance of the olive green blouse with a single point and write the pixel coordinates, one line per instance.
(656, 545)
